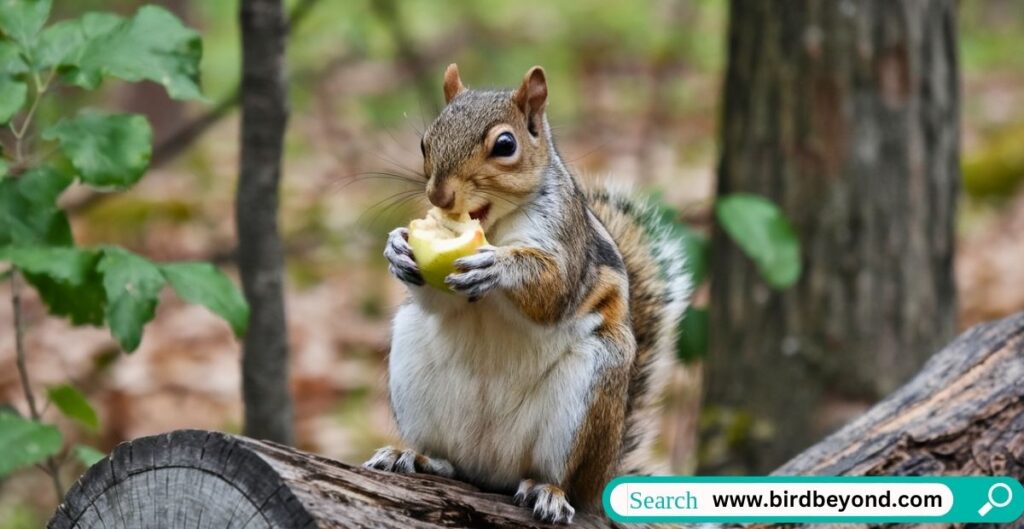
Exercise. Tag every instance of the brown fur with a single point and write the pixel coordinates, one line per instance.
(608, 297)
(654, 334)
(542, 297)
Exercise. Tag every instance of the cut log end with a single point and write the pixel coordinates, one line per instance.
(962, 414)
(187, 478)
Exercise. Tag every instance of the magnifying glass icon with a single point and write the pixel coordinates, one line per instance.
(991, 500)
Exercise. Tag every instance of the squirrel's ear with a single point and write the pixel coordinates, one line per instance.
(532, 96)
(452, 83)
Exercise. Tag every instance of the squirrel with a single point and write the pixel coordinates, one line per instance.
(541, 375)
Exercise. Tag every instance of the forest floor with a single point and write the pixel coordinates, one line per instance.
(339, 296)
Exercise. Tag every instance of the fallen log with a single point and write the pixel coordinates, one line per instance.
(962, 414)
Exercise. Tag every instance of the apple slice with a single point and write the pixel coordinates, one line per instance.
(438, 240)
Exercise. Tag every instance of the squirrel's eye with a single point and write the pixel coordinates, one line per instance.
(504, 145)
(423, 148)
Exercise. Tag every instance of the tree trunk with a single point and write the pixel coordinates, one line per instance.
(268, 409)
(845, 114)
(962, 414)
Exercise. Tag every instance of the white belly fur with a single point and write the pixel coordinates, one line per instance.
(498, 396)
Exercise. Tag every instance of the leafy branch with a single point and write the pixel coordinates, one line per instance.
(105, 285)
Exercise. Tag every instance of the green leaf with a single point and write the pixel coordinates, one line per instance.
(65, 277)
(43, 186)
(24, 442)
(763, 233)
(95, 24)
(133, 287)
(65, 264)
(693, 335)
(28, 208)
(58, 43)
(107, 150)
(11, 61)
(83, 304)
(88, 455)
(21, 20)
(62, 44)
(153, 45)
(73, 405)
(204, 284)
(12, 98)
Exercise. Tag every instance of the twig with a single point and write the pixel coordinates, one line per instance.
(51, 468)
(19, 329)
(19, 344)
(19, 132)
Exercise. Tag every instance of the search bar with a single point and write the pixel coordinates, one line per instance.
(814, 499)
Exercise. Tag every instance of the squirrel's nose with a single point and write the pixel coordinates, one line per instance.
(441, 197)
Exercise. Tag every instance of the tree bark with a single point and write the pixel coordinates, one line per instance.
(963, 414)
(268, 409)
(846, 115)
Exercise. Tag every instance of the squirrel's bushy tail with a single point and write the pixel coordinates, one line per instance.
(659, 292)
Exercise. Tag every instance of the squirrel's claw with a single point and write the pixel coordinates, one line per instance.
(390, 459)
(383, 459)
(476, 274)
(400, 259)
(548, 502)
(483, 258)
(473, 284)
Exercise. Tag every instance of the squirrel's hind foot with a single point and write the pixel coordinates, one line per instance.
(548, 502)
(390, 459)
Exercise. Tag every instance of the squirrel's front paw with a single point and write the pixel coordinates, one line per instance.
(548, 502)
(475, 274)
(391, 459)
(400, 260)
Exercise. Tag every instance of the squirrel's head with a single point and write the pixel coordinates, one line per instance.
(487, 150)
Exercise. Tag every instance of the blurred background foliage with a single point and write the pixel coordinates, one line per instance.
(634, 94)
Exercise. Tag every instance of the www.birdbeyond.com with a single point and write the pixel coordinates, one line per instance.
(815, 499)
